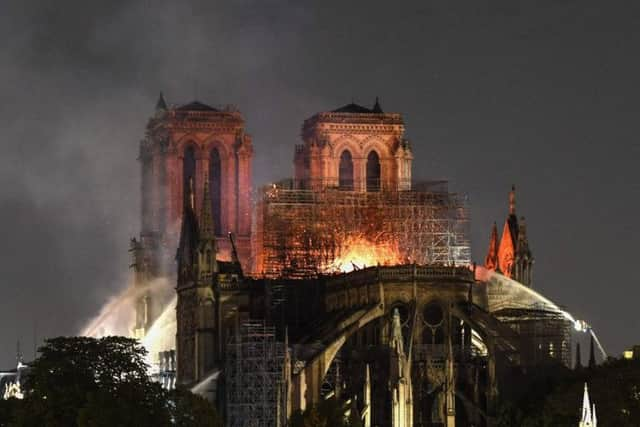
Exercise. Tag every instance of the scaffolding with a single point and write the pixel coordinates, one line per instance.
(255, 370)
(298, 233)
(545, 336)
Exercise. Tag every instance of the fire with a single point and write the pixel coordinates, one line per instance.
(361, 252)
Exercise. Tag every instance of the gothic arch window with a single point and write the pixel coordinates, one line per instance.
(188, 169)
(373, 172)
(345, 171)
(215, 187)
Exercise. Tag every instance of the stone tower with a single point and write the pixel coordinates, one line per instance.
(354, 148)
(197, 266)
(199, 145)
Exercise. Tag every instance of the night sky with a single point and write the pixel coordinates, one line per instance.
(543, 95)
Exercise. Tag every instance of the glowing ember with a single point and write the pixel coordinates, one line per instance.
(360, 253)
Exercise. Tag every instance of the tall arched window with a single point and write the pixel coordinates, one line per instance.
(373, 172)
(215, 186)
(189, 171)
(345, 171)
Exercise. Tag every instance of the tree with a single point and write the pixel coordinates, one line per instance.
(87, 382)
(552, 397)
(190, 410)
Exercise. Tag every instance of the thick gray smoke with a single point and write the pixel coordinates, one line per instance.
(541, 94)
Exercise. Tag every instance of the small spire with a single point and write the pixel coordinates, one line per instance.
(206, 217)
(592, 354)
(161, 105)
(234, 252)
(523, 241)
(512, 200)
(578, 364)
(491, 261)
(189, 233)
(376, 107)
(587, 416)
(192, 194)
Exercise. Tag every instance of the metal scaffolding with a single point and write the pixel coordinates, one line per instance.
(544, 335)
(255, 370)
(298, 233)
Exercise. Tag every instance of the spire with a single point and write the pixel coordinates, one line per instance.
(234, 252)
(578, 364)
(189, 236)
(522, 231)
(207, 239)
(192, 195)
(506, 251)
(586, 406)
(161, 105)
(512, 200)
(588, 417)
(206, 217)
(491, 261)
(376, 107)
(522, 248)
(592, 355)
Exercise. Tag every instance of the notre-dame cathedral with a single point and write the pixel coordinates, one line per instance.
(349, 281)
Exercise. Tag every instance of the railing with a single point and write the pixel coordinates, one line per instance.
(360, 186)
(350, 118)
(402, 273)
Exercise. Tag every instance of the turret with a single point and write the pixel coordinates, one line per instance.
(491, 261)
(523, 258)
(161, 104)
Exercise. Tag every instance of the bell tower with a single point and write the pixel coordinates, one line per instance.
(354, 148)
(184, 146)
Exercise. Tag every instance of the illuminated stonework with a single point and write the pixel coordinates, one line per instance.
(354, 148)
(511, 256)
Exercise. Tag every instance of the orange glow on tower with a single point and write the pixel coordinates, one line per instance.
(506, 251)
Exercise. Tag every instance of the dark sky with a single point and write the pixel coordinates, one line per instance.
(540, 94)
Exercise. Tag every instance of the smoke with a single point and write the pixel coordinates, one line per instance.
(117, 317)
(79, 80)
(162, 334)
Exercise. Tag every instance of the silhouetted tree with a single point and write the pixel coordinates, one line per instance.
(87, 382)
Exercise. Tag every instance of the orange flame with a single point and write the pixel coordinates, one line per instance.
(361, 253)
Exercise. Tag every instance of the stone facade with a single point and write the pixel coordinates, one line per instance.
(194, 144)
(354, 148)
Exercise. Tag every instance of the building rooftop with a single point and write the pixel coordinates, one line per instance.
(196, 106)
(359, 109)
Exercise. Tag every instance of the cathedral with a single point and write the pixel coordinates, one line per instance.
(349, 281)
